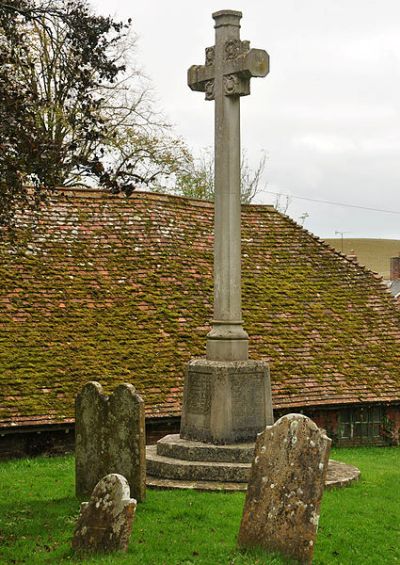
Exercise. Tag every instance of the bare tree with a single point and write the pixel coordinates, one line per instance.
(74, 107)
(282, 202)
(196, 177)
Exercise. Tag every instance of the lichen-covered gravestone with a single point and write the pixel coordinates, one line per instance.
(110, 438)
(281, 510)
(105, 522)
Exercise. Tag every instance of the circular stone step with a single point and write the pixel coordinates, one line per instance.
(183, 470)
(340, 474)
(167, 472)
(156, 483)
(175, 447)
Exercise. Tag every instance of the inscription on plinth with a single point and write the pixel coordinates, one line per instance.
(251, 400)
(226, 402)
(199, 395)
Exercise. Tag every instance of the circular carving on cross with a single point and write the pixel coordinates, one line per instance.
(210, 56)
(232, 49)
(245, 46)
(231, 84)
(209, 90)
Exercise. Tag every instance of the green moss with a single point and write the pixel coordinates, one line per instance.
(133, 304)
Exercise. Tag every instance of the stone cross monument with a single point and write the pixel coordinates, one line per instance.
(224, 78)
(227, 398)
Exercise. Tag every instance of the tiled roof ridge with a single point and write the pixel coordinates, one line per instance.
(93, 192)
(321, 241)
(151, 195)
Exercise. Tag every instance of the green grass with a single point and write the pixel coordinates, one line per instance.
(374, 254)
(359, 524)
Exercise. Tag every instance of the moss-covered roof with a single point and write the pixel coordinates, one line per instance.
(115, 289)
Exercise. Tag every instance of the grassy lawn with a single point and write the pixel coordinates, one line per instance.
(359, 524)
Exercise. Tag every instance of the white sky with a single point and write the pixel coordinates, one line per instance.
(327, 115)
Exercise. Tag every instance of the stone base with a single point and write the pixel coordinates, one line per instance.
(178, 463)
(226, 402)
(175, 458)
(223, 349)
(219, 486)
(175, 447)
(182, 470)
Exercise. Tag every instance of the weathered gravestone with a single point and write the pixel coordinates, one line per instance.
(286, 483)
(105, 522)
(110, 438)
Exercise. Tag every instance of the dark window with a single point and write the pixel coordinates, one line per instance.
(358, 423)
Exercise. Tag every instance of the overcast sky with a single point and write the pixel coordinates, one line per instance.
(327, 115)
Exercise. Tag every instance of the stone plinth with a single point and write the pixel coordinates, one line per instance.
(226, 402)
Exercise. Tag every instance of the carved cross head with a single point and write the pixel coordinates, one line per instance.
(234, 63)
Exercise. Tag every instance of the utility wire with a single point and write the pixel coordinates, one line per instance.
(333, 203)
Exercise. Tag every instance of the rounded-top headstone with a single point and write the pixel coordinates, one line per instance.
(105, 522)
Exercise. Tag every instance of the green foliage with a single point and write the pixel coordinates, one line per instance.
(38, 512)
(74, 108)
(53, 57)
(122, 291)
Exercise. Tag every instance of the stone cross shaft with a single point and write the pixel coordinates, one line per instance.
(224, 78)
